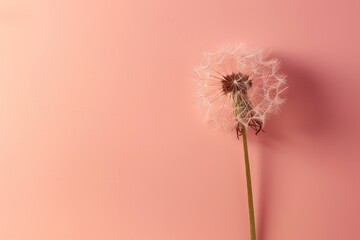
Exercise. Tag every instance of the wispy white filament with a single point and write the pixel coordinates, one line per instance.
(264, 95)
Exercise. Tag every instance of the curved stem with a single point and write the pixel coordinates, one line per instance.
(249, 187)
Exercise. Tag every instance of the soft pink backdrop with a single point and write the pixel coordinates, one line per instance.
(100, 137)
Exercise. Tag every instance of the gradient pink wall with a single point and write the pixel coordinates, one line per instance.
(100, 139)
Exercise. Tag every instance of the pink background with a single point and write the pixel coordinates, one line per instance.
(100, 137)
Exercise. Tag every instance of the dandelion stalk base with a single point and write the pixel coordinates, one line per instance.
(249, 186)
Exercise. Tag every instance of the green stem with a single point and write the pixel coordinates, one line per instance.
(249, 187)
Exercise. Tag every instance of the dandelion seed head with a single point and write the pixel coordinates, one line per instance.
(239, 87)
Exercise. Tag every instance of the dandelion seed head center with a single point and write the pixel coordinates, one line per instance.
(236, 82)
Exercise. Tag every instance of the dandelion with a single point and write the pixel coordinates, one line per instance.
(240, 89)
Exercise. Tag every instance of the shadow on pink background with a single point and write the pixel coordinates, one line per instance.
(309, 117)
(100, 137)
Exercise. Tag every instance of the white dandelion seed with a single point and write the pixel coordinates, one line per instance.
(239, 88)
